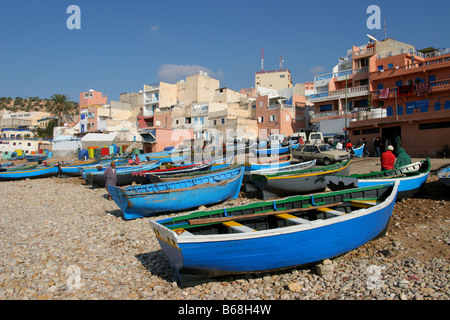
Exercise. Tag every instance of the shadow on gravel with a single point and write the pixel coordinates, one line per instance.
(158, 265)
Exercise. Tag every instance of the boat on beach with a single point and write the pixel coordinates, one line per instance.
(411, 178)
(297, 182)
(271, 235)
(152, 176)
(444, 175)
(34, 173)
(173, 196)
(249, 186)
(123, 174)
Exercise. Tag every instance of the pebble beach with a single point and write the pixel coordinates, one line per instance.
(61, 239)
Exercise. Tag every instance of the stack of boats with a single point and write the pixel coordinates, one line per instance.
(264, 235)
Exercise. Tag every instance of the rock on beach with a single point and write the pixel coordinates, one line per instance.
(60, 239)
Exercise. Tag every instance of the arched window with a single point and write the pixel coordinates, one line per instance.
(379, 86)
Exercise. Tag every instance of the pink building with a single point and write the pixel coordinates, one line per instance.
(92, 97)
(89, 102)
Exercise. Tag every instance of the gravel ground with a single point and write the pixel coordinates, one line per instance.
(60, 239)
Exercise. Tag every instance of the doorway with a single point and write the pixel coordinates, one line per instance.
(393, 134)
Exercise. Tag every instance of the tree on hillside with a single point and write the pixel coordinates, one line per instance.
(59, 104)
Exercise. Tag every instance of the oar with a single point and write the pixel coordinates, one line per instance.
(193, 222)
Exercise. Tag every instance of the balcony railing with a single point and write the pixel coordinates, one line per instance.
(435, 86)
(340, 74)
(364, 52)
(351, 92)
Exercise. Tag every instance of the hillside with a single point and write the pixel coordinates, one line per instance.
(32, 104)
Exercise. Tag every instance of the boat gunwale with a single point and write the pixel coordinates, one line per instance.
(185, 239)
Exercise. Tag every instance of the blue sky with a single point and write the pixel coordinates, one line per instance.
(123, 44)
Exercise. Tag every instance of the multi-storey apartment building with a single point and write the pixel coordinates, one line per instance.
(273, 79)
(410, 98)
(345, 91)
(89, 103)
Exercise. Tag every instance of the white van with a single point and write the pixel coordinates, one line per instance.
(276, 138)
(315, 137)
(296, 136)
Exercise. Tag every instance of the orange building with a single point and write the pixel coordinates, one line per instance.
(410, 100)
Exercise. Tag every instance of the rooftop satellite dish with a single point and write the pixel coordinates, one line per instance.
(372, 37)
(158, 123)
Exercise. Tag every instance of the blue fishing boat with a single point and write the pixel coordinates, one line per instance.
(123, 174)
(173, 196)
(71, 169)
(269, 163)
(359, 152)
(152, 176)
(271, 235)
(38, 172)
(444, 175)
(278, 149)
(39, 157)
(411, 178)
(249, 186)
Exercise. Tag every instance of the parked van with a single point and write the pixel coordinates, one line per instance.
(296, 136)
(315, 137)
(276, 138)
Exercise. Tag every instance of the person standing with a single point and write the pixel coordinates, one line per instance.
(388, 159)
(403, 158)
(340, 145)
(110, 177)
(376, 145)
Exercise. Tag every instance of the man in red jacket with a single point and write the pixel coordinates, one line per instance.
(388, 159)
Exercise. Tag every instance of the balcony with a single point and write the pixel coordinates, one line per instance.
(436, 86)
(340, 94)
(418, 67)
(363, 53)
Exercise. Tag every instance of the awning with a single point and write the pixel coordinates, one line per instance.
(148, 136)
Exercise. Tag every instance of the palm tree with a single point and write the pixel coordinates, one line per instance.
(60, 104)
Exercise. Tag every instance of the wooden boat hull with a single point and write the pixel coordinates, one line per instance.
(151, 199)
(124, 175)
(359, 152)
(411, 179)
(274, 150)
(294, 183)
(41, 172)
(444, 175)
(153, 176)
(202, 251)
(249, 186)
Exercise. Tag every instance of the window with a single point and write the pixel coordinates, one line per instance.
(273, 118)
(260, 119)
(282, 76)
(398, 83)
(390, 65)
(260, 104)
(437, 106)
(380, 86)
(288, 118)
(380, 67)
(29, 144)
(222, 121)
(434, 125)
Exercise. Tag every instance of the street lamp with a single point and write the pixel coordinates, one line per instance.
(345, 107)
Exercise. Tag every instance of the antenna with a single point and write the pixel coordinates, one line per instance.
(385, 31)
(262, 59)
(281, 62)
